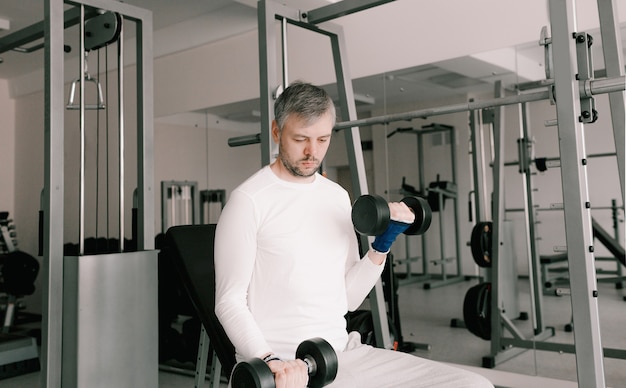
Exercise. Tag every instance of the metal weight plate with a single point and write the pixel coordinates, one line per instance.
(252, 374)
(477, 310)
(481, 244)
(423, 215)
(323, 359)
(370, 215)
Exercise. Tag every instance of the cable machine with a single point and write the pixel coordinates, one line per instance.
(86, 340)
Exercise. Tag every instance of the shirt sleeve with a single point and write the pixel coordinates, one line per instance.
(360, 279)
(235, 252)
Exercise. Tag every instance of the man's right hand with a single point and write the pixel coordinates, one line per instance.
(290, 373)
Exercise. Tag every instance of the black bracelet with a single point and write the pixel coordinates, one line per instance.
(271, 357)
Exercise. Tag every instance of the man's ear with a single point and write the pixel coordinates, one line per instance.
(275, 132)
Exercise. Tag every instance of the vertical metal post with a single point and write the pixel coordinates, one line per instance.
(357, 169)
(52, 268)
(422, 188)
(614, 65)
(81, 180)
(498, 223)
(145, 134)
(532, 248)
(267, 76)
(579, 237)
(120, 112)
(457, 226)
(478, 166)
(283, 23)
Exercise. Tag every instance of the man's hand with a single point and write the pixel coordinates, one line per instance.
(400, 212)
(289, 374)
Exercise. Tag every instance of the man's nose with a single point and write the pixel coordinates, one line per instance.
(311, 148)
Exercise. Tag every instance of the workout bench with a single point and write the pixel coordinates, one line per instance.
(191, 250)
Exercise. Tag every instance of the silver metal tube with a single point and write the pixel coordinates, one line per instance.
(244, 140)
(283, 23)
(603, 85)
(81, 179)
(120, 91)
(483, 192)
(596, 86)
(51, 355)
(556, 158)
(529, 223)
(578, 231)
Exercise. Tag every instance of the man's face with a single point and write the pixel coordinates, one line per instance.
(302, 148)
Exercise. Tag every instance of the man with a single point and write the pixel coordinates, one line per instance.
(287, 262)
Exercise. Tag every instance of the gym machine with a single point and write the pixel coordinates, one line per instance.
(573, 95)
(85, 343)
(211, 204)
(179, 204)
(437, 193)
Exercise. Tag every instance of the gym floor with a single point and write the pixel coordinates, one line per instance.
(426, 317)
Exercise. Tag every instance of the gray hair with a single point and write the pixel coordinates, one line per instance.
(306, 101)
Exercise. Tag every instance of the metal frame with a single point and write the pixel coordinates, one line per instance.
(589, 360)
(571, 99)
(55, 20)
(444, 279)
(269, 11)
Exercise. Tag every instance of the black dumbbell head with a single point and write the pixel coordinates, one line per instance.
(322, 361)
(252, 374)
(423, 215)
(370, 215)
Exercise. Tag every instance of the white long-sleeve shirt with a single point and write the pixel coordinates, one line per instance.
(287, 265)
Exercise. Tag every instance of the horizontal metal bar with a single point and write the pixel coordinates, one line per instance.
(342, 8)
(597, 74)
(556, 158)
(36, 31)
(557, 347)
(543, 209)
(244, 140)
(592, 87)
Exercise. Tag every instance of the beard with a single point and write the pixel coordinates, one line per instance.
(294, 169)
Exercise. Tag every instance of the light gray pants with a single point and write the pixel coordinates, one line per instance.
(364, 366)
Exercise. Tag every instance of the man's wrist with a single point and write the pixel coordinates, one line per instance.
(271, 357)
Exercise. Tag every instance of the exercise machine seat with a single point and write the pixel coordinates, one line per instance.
(191, 250)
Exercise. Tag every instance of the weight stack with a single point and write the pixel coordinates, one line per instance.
(110, 315)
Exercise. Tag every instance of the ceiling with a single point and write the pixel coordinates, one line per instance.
(458, 77)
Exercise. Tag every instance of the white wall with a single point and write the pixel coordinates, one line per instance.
(201, 155)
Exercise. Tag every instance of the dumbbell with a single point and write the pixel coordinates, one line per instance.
(371, 215)
(318, 354)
